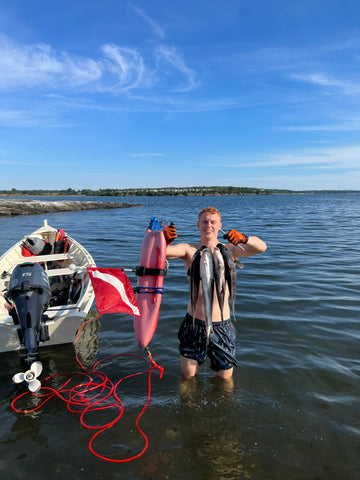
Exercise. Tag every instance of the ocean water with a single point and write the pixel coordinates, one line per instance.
(294, 410)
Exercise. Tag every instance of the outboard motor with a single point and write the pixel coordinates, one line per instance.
(29, 290)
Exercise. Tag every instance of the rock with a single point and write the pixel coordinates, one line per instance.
(10, 208)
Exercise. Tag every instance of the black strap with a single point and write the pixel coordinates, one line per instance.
(158, 272)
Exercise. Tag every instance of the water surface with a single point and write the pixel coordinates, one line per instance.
(293, 412)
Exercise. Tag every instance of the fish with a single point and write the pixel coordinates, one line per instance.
(230, 274)
(207, 280)
(194, 274)
(219, 274)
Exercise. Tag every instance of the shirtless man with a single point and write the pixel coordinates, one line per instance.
(193, 348)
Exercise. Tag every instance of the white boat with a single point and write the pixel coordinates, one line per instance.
(54, 287)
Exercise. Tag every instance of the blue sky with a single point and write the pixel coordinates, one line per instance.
(125, 94)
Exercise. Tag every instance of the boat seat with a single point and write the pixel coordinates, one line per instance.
(53, 272)
(46, 258)
(64, 271)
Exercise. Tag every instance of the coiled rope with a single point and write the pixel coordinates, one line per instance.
(93, 392)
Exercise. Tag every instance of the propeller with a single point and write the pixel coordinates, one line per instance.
(30, 377)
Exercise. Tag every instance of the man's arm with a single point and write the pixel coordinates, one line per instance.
(180, 250)
(253, 246)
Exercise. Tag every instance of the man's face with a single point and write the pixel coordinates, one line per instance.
(209, 225)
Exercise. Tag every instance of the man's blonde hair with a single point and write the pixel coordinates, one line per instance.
(210, 210)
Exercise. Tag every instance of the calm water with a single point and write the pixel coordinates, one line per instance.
(294, 411)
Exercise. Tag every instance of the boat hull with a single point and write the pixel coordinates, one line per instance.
(63, 317)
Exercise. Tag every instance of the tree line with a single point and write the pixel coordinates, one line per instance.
(162, 191)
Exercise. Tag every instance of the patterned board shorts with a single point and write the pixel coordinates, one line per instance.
(221, 347)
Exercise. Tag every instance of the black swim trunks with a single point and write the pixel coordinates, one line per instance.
(221, 347)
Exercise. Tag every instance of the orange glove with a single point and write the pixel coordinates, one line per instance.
(170, 233)
(235, 237)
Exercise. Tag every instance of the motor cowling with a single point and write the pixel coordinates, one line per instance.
(29, 290)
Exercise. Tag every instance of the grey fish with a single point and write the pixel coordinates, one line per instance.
(207, 280)
(230, 273)
(219, 274)
(194, 273)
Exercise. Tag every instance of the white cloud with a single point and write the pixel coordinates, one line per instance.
(323, 80)
(171, 56)
(38, 65)
(155, 27)
(342, 126)
(81, 72)
(346, 157)
(128, 67)
(118, 70)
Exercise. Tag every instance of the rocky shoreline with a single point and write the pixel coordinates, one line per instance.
(11, 208)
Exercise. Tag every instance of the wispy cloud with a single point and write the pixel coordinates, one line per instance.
(127, 65)
(323, 80)
(155, 27)
(341, 126)
(31, 66)
(118, 70)
(171, 56)
(346, 157)
(34, 65)
(312, 66)
(15, 118)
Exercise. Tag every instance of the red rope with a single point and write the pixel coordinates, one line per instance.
(95, 393)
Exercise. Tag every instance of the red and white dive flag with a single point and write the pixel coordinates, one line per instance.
(113, 291)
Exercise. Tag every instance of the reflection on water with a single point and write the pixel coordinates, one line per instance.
(88, 341)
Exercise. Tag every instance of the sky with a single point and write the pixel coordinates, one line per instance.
(157, 93)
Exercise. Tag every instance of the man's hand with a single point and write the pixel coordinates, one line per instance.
(235, 237)
(170, 233)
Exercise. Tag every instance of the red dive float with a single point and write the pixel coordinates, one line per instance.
(151, 274)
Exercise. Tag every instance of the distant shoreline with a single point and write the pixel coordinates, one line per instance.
(163, 191)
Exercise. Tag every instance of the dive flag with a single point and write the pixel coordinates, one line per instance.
(113, 291)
